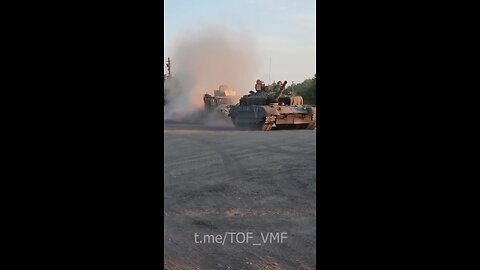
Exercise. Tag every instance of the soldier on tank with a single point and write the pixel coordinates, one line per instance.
(206, 97)
(258, 86)
(278, 86)
(264, 88)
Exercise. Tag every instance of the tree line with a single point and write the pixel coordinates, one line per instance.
(307, 89)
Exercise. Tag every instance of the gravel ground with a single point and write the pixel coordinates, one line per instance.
(221, 181)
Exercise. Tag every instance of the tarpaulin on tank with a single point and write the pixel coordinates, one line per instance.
(294, 100)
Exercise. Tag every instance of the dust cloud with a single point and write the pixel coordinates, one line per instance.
(201, 62)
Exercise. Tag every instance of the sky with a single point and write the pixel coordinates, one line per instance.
(283, 31)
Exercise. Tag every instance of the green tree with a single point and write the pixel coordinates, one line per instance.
(306, 89)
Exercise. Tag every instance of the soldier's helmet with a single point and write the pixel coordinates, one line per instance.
(279, 82)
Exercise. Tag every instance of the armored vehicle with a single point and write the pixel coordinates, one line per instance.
(220, 102)
(269, 108)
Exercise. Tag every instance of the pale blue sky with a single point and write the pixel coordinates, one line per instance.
(284, 30)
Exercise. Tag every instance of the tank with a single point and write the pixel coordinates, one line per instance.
(269, 108)
(220, 102)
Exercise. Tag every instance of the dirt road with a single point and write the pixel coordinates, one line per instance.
(222, 186)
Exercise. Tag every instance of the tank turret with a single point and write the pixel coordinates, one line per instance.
(263, 97)
(221, 100)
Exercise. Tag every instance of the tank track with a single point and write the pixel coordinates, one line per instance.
(269, 123)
